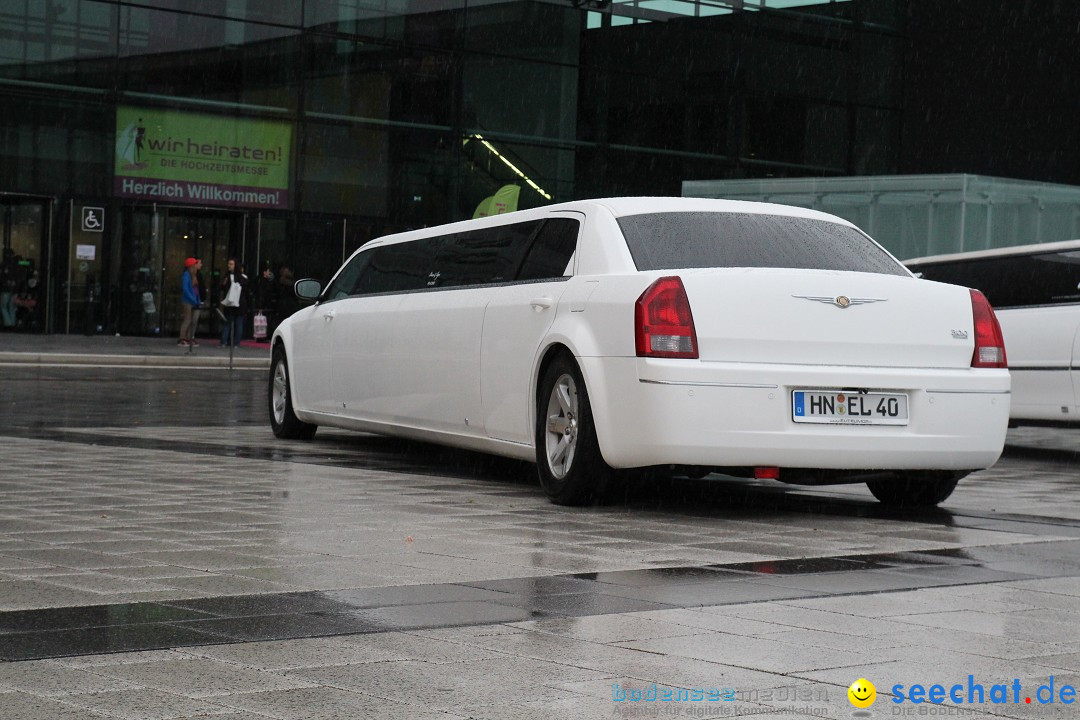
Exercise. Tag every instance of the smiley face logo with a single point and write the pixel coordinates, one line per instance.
(862, 693)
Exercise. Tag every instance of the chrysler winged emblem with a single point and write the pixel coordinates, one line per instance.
(840, 301)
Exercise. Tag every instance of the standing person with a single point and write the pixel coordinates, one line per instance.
(287, 302)
(9, 285)
(190, 301)
(233, 291)
(266, 297)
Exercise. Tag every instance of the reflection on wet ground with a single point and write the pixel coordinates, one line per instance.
(58, 632)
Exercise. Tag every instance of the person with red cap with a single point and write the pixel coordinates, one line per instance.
(190, 302)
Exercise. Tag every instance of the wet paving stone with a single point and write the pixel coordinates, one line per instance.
(93, 616)
(94, 640)
(147, 626)
(286, 574)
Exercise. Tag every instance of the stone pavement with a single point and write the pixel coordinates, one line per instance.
(35, 349)
(151, 570)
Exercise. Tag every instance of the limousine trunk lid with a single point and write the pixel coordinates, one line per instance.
(829, 318)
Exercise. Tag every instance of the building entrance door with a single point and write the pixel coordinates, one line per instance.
(157, 241)
(211, 236)
(22, 276)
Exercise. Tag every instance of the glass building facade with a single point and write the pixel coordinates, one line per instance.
(289, 132)
(919, 215)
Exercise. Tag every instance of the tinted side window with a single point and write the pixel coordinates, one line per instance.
(551, 250)
(491, 255)
(1016, 281)
(399, 267)
(345, 283)
(676, 240)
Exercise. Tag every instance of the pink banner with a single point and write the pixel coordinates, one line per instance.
(197, 193)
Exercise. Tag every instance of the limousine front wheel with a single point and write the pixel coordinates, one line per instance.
(917, 489)
(572, 470)
(283, 420)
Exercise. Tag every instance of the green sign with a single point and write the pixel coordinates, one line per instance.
(172, 156)
(504, 200)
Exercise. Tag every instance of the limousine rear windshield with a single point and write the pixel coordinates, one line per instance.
(677, 240)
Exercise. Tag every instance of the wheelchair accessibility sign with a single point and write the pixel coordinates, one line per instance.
(93, 219)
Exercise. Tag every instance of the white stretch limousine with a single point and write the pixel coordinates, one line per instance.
(673, 333)
(1035, 290)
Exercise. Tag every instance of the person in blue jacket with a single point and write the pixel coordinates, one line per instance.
(190, 301)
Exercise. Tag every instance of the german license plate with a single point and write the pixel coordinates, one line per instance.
(849, 408)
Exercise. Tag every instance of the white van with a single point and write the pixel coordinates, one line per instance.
(698, 335)
(1035, 290)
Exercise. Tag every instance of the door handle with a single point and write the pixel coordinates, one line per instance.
(541, 303)
(329, 315)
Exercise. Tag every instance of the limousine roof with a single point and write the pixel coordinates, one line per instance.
(623, 206)
(617, 207)
(1033, 249)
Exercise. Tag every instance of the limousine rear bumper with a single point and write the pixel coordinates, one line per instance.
(657, 412)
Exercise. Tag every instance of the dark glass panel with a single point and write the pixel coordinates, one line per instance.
(273, 235)
(775, 129)
(842, 10)
(193, 56)
(551, 251)
(521, 97)
(282, 12)
(880, 72)
(345, 169)
(433, 23)
(400, 267)
(370, 172)
(490, 255)
(347, 281)
(876, 144)
(64, 42)
(378, 81)
(315, 251)
(884, 13)
(1016, 281)
(53, 145)
(140, 308)
(827, 135)
(547, 32)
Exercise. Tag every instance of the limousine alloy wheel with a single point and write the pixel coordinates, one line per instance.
(283, 420)
(572, 471)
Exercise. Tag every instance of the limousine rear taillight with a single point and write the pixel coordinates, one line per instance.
(989, 343)
(663, 324)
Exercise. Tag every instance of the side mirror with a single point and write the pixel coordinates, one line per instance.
(307, 289)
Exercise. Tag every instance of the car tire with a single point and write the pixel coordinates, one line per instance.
(283, 420)
(571, 467)
(915, 490)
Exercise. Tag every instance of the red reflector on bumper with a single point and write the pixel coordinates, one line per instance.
(767, 473)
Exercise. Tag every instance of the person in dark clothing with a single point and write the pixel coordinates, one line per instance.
(233, 303)
(9, 286)
(266, 298)
(287, 301)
